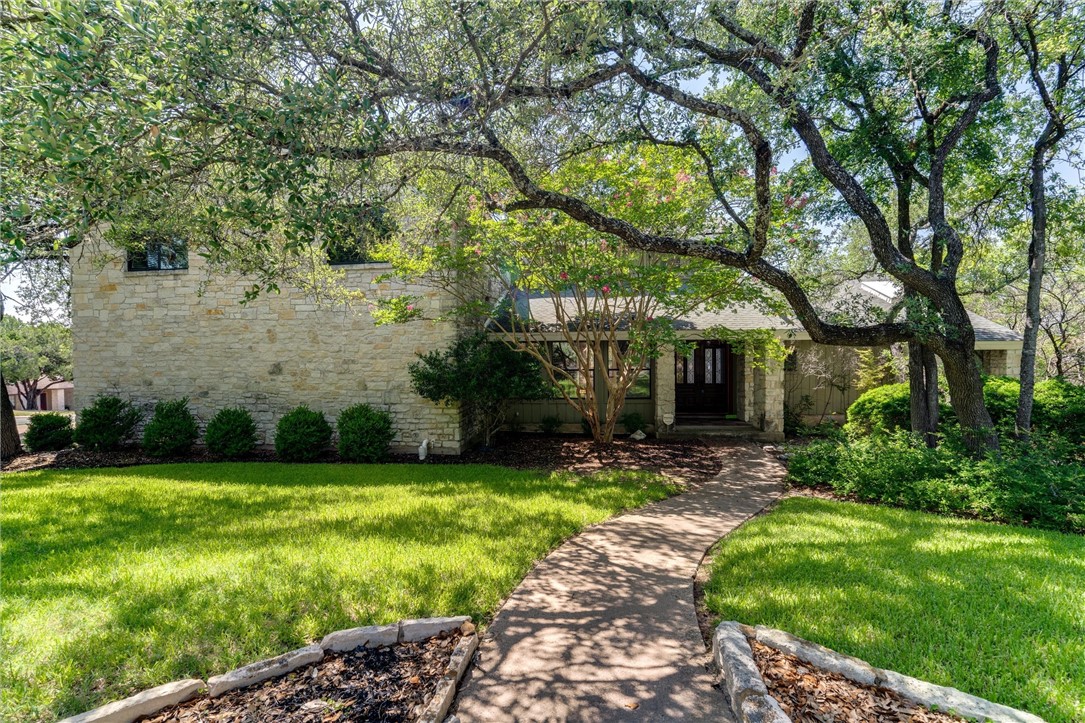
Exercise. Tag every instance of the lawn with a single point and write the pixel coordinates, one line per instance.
(994, 610)
(119, 579)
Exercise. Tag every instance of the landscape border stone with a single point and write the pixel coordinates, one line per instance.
(153, 700)
(142, 703)
(733, 655)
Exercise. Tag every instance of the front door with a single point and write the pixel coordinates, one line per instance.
(704, 382)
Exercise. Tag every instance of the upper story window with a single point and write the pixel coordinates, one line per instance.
(160, 254)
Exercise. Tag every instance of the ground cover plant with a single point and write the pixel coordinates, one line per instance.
(1039, 483)
(119, 579)
(994, 610)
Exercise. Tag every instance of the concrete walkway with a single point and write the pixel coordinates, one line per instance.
(604, 629)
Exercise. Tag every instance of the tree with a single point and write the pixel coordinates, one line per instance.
(331, 101)
(1055, 73)
(592, 313)
(34, 357)
(480, 374)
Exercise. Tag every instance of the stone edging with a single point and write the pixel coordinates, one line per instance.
(152, 700)
(752, 703)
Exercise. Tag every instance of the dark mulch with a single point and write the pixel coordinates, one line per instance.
(385, 685)
(692, 460)
(811, 695)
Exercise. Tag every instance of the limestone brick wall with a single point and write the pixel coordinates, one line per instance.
(1001, 362)
(763, 394)
(147, 336)
(663, 388)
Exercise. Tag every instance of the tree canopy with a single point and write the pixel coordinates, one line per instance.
(273, 122)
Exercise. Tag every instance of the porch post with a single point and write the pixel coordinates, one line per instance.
(663, 388)
(764, 394)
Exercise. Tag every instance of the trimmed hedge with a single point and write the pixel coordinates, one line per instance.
(48, 432)
(106, 424)
(302, 435)
(172, 430)
(364, 433)
(231, 433)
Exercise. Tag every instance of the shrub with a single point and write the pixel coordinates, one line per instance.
(550, 424)
(881, 409)
(1000, 396)
(632, 421)
(364, 433)
(172, 430)
(302, 435)
(1059, 407)
(49, 432)
(1040, 483)
(231, 433)
(106, 424)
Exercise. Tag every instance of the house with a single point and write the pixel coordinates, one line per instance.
(52, 395)
(155, 326)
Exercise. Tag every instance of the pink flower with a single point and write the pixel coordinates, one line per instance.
(563, 276)
(478, 251)
(683, 177)
(606, 289)
(410, 307)
(649, 318)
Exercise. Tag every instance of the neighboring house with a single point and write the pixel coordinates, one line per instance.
(57, 397)
(151, 327)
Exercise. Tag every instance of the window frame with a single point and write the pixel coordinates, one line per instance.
(175, 244)
(646, 370)
(574, 372)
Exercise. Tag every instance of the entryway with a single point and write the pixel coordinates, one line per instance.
(705, 382)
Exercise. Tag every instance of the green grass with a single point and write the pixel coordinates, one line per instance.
(118, 579)
(996, 611)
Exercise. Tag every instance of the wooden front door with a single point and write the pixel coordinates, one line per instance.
(704, 382)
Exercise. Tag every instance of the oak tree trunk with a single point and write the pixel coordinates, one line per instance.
(9, 432)
(923, 388)
(966, 396)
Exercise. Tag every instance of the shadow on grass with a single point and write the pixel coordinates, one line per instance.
(997, 611)
(115, 580)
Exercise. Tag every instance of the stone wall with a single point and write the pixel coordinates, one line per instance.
(1001, 362)
(147, 336)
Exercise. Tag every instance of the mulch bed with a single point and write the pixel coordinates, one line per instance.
(691, 460)
(811, 695)
(385, 685)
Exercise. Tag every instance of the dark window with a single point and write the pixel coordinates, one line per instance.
(641, 388)
(564, 357)
(159, 255)
(791, 363)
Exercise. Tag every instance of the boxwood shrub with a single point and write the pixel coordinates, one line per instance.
(172, 430)
(364, 433)
(302, 435)
(106, 424)
(48, 432)
(231, 433)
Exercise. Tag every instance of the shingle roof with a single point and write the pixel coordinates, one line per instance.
(745, 317)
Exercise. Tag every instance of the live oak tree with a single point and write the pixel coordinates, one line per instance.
(279, 120)
(34, 357)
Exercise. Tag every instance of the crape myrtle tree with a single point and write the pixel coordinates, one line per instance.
(606, 310)
(282, 118)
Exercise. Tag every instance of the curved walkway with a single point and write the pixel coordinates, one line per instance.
(604, 629)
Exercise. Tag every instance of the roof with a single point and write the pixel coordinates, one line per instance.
(746, 317)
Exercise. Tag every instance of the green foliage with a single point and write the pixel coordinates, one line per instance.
(48, 432)
(172, 430)
(29, 352)
(632, 421)
(1060, 407)
(875, 369)
(882, 409)
(794, 413)
(1000, 396)
(1041, 483)
(550, 424)
(991, 609)
(187, 570)
(364, 433)
(302, 435)
(106, 424)
(480, 373)
(231, 433)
